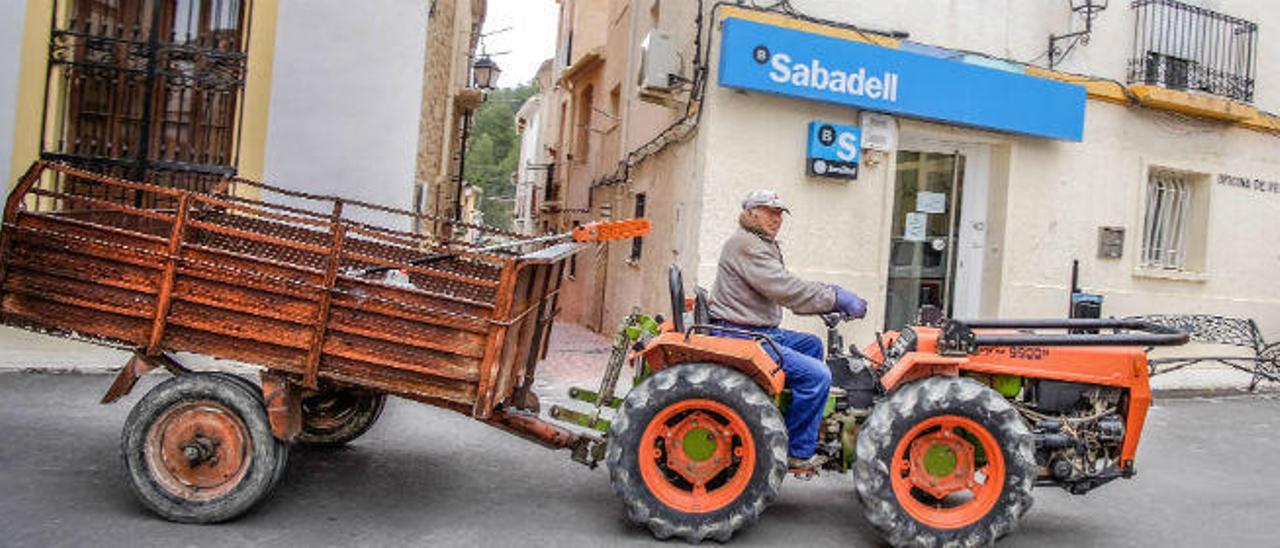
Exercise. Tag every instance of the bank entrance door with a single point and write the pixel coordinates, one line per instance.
(937, 238)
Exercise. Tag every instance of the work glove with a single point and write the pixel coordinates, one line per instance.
(849, 304)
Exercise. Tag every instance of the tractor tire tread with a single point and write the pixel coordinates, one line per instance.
(877, 441)
(664, 388)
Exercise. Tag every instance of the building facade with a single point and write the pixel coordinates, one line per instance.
(935, 153)
(185, 93)
(535, 167)
(448, 101)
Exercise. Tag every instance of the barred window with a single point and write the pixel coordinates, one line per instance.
(1173, 228)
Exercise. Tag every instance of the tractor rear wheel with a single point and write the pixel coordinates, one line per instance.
(335, 415)
(697, 451)
(198, 449)
(944, 461)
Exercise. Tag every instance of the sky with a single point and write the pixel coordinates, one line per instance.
(531, 40)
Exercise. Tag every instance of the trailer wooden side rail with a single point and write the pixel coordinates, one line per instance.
(275, 282)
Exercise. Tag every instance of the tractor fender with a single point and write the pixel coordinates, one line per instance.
(672, 348)
(918, 365)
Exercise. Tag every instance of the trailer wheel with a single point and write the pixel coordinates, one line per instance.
(697, 451)
(944, 461)
(335, 416)
(198, 449)
(255, 391)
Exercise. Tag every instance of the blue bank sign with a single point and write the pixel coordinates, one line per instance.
(833, 150)
(762, 57)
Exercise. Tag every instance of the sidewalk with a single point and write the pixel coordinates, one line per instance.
(576, 358)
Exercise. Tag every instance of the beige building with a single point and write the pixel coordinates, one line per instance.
(448, 101)
(1147, 152)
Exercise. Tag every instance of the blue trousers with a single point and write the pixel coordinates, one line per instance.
(808, 378)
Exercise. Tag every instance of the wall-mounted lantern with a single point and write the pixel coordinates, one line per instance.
(1088, 9)
(485, 73)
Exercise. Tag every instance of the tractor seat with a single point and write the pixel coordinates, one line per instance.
(679, 306)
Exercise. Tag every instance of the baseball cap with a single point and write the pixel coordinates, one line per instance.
(764, 198)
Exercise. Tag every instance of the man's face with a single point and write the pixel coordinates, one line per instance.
(770, 219)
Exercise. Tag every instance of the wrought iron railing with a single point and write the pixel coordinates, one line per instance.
(1185, 47)
(147, 89)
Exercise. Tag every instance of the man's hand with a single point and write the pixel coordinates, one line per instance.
(849, 304)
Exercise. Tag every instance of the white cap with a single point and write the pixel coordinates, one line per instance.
(764, 198)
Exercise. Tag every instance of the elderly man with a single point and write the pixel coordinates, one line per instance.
(751, 288)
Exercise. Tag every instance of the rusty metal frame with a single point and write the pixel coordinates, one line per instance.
(250, 280)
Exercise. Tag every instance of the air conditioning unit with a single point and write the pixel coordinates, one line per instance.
(658, 62)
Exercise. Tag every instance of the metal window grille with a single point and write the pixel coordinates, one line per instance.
(1164, 240)
(147, 89)
(1186, 47)
(637, 244)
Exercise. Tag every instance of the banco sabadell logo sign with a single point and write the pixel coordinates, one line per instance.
(814, 75)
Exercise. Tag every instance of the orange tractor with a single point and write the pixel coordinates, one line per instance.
(945, 429)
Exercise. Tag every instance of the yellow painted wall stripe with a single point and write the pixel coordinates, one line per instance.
(1099, 89)
(257, 89)
(30, 97)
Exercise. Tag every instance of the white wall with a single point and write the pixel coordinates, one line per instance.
(1020, 29)
(12, 16)
(345, 100)
(1052, 197)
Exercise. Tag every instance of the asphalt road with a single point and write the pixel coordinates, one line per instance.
(424, 476)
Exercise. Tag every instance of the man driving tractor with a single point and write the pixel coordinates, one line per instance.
(751, 288)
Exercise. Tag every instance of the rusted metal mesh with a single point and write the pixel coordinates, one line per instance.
(295, 231)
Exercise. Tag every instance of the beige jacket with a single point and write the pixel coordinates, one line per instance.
(753, 284)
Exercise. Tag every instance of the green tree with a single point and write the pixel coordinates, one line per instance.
(493, 152)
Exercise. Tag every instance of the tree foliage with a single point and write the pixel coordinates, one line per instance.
(493, 152)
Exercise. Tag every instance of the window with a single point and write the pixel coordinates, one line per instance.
(1179, 46)
(1174, 223)
(637, 243)
(147, 89)
(573, 259)
(582, 143)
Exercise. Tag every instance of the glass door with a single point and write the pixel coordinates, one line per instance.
(922, 258)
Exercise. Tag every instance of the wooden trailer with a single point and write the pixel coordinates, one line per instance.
(329, 304)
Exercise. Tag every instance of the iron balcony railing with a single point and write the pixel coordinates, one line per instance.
(1185, 47)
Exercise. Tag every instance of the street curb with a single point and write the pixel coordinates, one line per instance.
(1216, 392)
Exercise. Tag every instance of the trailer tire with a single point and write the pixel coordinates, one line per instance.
(738, 459)
(198, 448)
(334, 416)
(255, 390)
(944, 430)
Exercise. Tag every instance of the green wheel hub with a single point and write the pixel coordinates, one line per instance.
(939, 461)
(699, 444)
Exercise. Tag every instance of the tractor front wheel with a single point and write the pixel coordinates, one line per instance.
(697, 451)
(944, 461)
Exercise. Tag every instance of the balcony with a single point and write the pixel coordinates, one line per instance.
(1184, 47)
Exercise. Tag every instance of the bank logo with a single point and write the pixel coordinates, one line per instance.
(833, 150)
(816, 76)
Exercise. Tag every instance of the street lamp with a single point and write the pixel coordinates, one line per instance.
(485, 73)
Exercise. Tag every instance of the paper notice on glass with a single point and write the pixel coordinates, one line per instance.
(931, 202)
(914, 229)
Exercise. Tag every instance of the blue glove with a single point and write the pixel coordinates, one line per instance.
(849, 304)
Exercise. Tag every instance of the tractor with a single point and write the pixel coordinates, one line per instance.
(945, 428)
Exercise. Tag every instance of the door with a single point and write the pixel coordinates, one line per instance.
(147, 89)
(937, 239)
